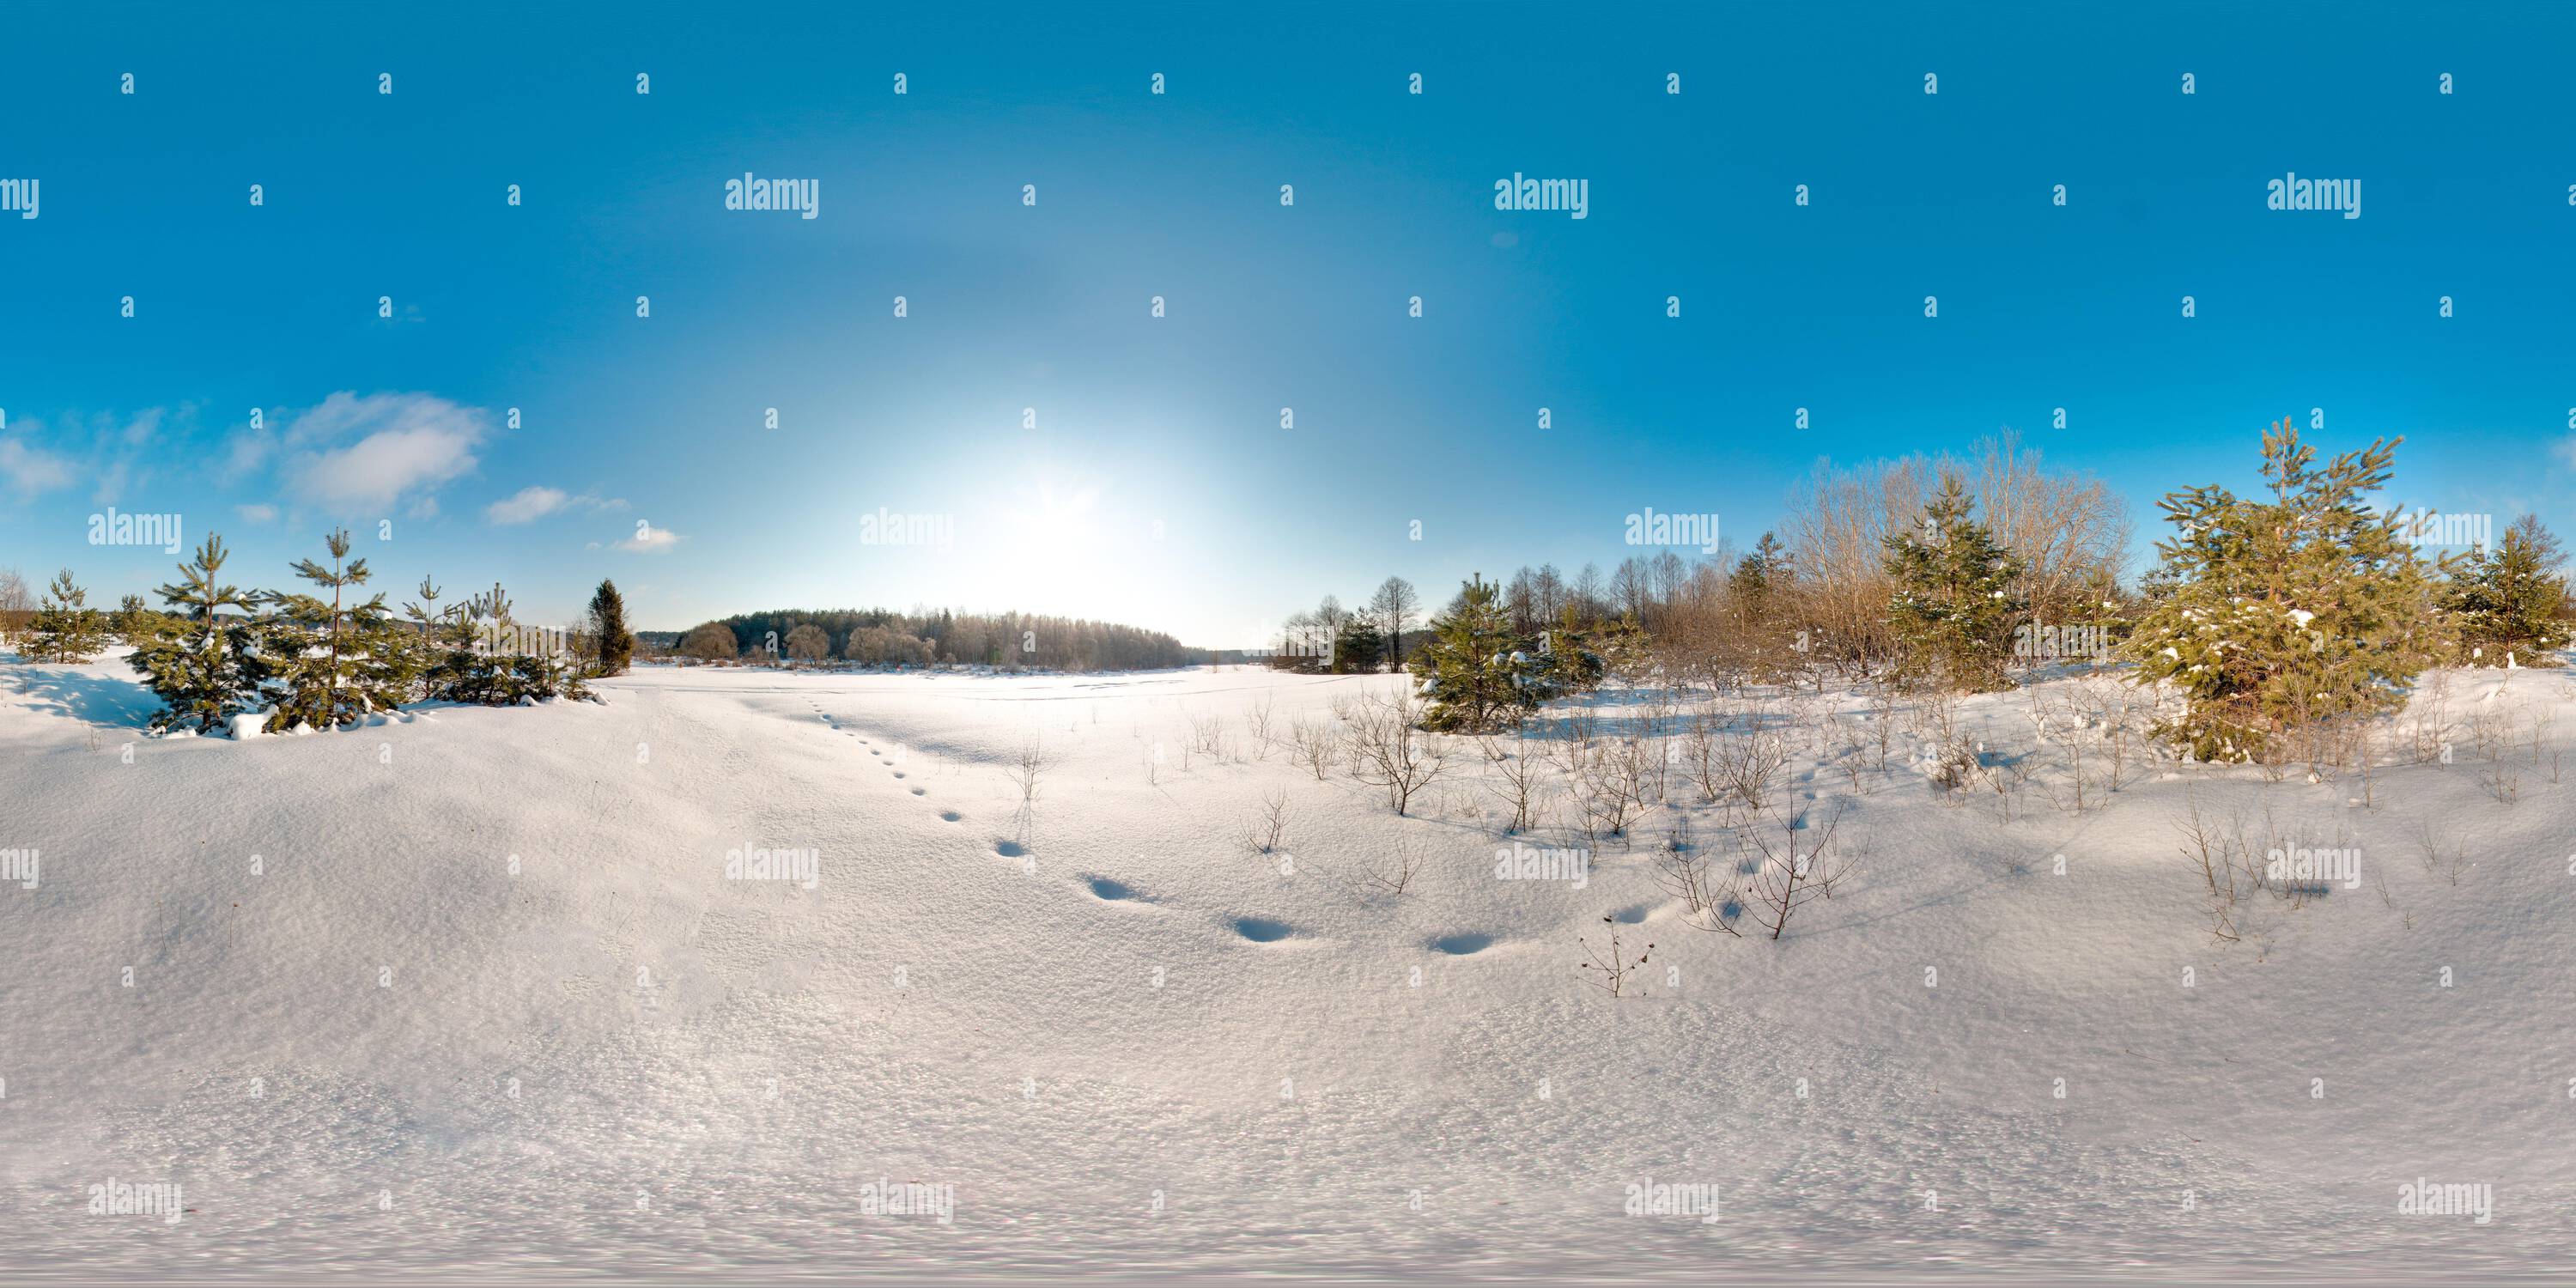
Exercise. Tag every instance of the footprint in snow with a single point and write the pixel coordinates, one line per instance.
(1112, 890)
(1263, 930)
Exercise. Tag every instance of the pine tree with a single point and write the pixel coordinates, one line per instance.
(608, 626)
(1759, 575)
(1756, 627)
(1477, 674)
(446, 643)
(2274, 615)
(1954, 604)
(1574, 654)
(131, 619)
(2507, 600)
(66, 628)
(338, 662)
(201, 665)
(1358, 647)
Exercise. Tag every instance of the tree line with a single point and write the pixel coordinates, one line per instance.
(2271, 616)
(879, 636)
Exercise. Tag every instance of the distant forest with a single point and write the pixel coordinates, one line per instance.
(883, 636)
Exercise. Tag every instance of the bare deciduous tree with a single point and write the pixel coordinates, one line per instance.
(17, 603)
(1393, 607)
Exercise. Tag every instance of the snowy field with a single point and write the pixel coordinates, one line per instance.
(472, 991)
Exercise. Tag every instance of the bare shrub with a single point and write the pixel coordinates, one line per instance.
(1614, 967)
(1517, 771)
(1609, 784)
(1270, 823)
(1750, 762)
(1394, 871)
(1390, 750)
(1029, 766)
(1207, 735)
(1259, 720)
(1944, 753)
(1699, 737)
(2450, 862)
(1311, 744)
(1789, 874)
(2205, 846)
(1689, 873)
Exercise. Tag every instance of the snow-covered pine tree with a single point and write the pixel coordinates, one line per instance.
(1475, 673)
(2279, 614)
(1954, 605)
(2508, 601)
(201, 665)
(337, 661)
(1619, 647)
(608, 626)
(483, 671)
(66, 628)
(1571, 653)
(507, 664)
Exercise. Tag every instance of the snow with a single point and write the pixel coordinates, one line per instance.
(490, 1003)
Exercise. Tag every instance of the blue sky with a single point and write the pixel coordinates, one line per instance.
(1157, 486)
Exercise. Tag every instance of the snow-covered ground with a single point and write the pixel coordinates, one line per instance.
(472, 991)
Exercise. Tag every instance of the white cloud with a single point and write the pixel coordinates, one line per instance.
(32, 470)
(245, 452)
(256, 513)
(111, 485)
(528, 506)
(650, 540)
(367, 453)
(533, 503)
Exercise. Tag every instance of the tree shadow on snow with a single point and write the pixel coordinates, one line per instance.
(103, 701)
